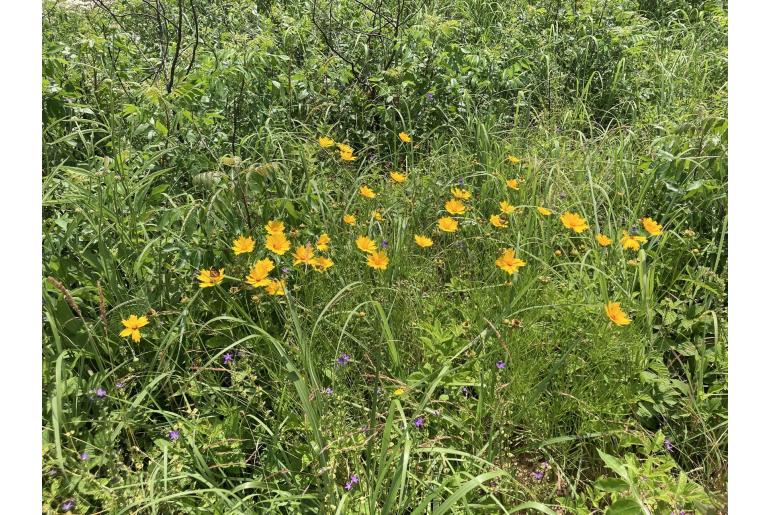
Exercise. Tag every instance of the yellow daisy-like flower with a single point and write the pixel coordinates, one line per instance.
(423, 241)
(652, 227)
(574, 221)
(209, 278)
(377, 215)
(461, 194)
(603, 240)
(398, 177)
(406, 138)
(398, 392)
(347, 156)
(322, 264)
(616, 314)
(366, 191)
(512, 183)
(447, 224)
(344, 148)
(513, 159)
(508, 262)
(544, 211)
(349, 219)
(629, 242)
(365, 244)
(277, 243)
(274, 227)
(454, 207)
(377, 260)
(304, 255)
(325, 142)
(498, 221)
(243, 245)
(322, 244)
(275, 287)
(506, 208)
(132, 325)
(258, 275)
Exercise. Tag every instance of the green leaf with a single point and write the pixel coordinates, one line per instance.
(611, 484)
(624, 507)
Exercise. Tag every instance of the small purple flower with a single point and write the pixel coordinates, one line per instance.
(343, 359)
(119, 385)
(538, 475)
(227, 358)
(354, 479)
(461, 182)
(85, 457)
(384, 244)
(545, 465)
(100, 392)
(429, 96)
(465, 390)
(327, 390)
(501, 364)
(348, 485)
(419, 422)
(173, 435)
(668, 445)
(286, 270)
(68, 505)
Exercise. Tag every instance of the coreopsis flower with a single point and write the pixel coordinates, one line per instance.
(508, 262)
(366, 244)
(652, 227)
(454, 207)
(506, 208)
(347, 156)
(461, 194)
(304, 255)
(512, 183)
(498, 221)
(258, 275)
(275, 287)
(325, 142)
(406, 138)
(603, 240)
(447, 224)
(212, 277)
(243, 245)
(398, 392)
(377, 215)
(377, 260)
(322, 244)
(423, 241)
(616, 314)
(349, 219)
(366, 191)
(322, 264)
(344, 148)
(274, 227)
(513, 159)
(132, 325)
(398, 177)
(544, 211)
(632, 242)
(574, 221)
(277, 243)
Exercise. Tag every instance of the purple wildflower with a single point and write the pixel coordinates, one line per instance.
(501, 364)
(384, 244)
(119, 385)
(343, 359)
(327, 390)
(85, 457)
(286, 270)
(464, 390)
(668, 445)
(538, 475)
(227, 358)
(461, 182)
(429, 96)
(100, 392)
(173, 435)
(419, 422)
(68, 505)
(354, 479)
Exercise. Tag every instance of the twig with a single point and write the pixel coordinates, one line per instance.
(170, 84)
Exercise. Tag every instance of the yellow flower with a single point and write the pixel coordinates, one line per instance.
(243, 245)
(365, 244)
(632, 242)
(132, 325)
(377, 215)
(513, 159)
(274, 227)
(652, 227)
(455, 207)
(325, 142)
(461, 194)
(603, 240)
(304, 255)
(498, 221)
(344, 148)
(322, 264)
(347, 156)
(544, 211)
(447, 224)
(211, 277)
(258, 275)
(512, 183)
(378, 260)
(423, 241)
(349, 219)
(398, 392)
(404, 137)
(508, 262)
(277, 243)
(322, 244)
(398, 177)
(616, 314)
(506, 208)
(275, 287)
(574, 221)
(366, 191)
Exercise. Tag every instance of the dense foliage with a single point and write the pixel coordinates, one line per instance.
(394, 377)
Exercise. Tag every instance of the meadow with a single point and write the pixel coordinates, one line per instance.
(384, 256)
